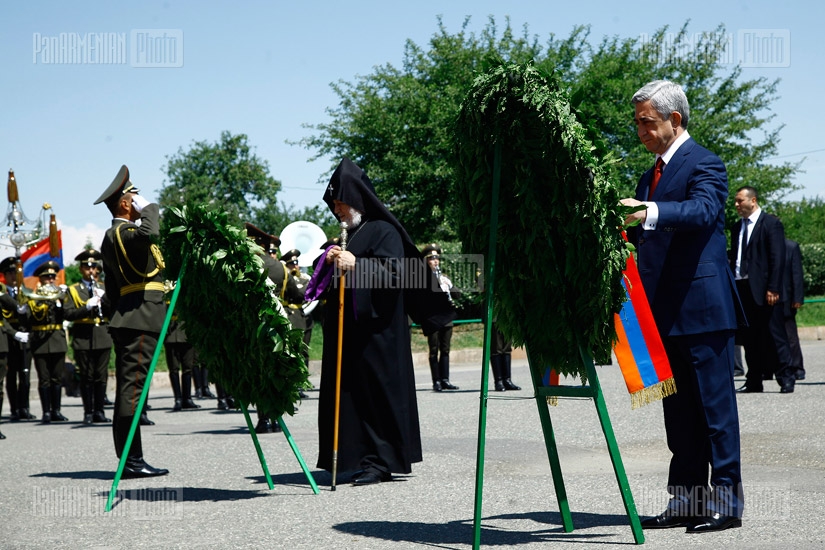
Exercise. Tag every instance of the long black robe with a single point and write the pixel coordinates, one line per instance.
(379, 412)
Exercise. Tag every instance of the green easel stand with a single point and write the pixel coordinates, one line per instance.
(541, 392)
(122, 464)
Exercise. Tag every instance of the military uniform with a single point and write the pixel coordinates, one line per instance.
(19, 360)
(180, 358)
(439, 340)
(132, 264)
(91, 341)
(293, 299)
(6, 335)
(48, 341)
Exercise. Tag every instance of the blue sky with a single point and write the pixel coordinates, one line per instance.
(264, 69)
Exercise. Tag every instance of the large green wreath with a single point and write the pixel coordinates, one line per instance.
(231, 314)
(559, 254)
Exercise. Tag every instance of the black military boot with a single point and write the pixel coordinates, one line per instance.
(88, 401)
(435, 374)
(205, 384)
(56, 395)
(496, 364)
(444, 367)
(45, 404)
(186, 390)
(508, 384)
(99, 401)
(174, 379)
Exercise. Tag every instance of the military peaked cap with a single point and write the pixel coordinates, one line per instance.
(119, 187)
(49, 268)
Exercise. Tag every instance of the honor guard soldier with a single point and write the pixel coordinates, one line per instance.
(48, 339)
(439, 341)
(19, 360)
(91, 342)
(132, 263)
(7, 335)
(180, 358)
(294, 298)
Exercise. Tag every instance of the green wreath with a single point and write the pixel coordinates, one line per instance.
(232, 316)
(559, 253)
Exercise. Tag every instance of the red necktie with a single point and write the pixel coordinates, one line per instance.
(657, 173)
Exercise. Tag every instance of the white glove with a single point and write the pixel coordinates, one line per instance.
(139, 202)
(93, 302)
(23, 310)
(22, 337)
(63, 288)
(99, 292)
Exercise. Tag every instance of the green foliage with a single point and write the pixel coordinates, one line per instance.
(813, 267)
(804, 220)
(559, 216)
(232, 316)
(395, 122)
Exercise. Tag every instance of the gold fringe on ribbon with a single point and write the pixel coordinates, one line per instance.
(552, 400)
(656, 392)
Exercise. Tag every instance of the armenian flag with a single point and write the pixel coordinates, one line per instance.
(638, 348)
(38, 255)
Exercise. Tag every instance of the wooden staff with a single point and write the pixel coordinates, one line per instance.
(338, 361)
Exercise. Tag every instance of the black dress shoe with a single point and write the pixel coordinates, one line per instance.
(446, 385)
(222, 405)
(800, 375)
(144, 420)
(263, 426)
(99, 417)
(26, 415)
(189, 404)
(436, 386)
(748, 389)
(230, 403)
(508, 385)
(87, 418)
(716, 522)
(787, 388)
(177, 405)
(137, 467)
(106, 402)
(369, 477)
(14, 416)
(666, 520)
(2, 436)
(47, 418)
(302, 394)
(57, 417)
(207, 393)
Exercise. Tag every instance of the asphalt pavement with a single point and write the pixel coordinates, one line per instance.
(56, 478)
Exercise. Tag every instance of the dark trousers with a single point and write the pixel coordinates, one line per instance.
(439, 342)
(93, 365)
(791, 330)
(133, 355)
(18, 378)
(49, 369)
(702, 423)
(765, 343)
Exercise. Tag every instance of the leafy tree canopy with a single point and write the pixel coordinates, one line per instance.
(397, 122)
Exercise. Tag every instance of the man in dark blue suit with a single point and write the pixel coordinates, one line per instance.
(681, 247)
(758, 261)
(793, 296)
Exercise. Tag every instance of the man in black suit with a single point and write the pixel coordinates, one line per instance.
(132, 264)
(758, 262)
(793, 296)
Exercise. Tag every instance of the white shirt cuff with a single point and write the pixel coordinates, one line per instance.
(652, 216)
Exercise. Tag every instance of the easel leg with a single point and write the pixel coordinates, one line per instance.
(613, 448)
(257, 445)
(297, 454)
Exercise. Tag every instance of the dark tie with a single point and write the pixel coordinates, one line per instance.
(743, 258)
(657, 174)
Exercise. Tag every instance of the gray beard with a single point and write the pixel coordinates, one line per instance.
(354, 218)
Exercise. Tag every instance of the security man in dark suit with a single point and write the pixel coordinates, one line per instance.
(793, 296)
(132, 263)
(19, 358)
(758, 262)
(91, 342)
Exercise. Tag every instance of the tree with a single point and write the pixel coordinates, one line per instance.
(396, 123)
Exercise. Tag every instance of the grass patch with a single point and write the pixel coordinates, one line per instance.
(812, 314)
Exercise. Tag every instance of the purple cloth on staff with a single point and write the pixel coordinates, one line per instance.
(321, 277)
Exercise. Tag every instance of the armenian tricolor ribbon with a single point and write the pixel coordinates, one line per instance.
(639, 349)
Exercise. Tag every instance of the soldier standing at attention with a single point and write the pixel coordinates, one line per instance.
(132, 263)
(91, 342)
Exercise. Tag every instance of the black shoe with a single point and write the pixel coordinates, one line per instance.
(716, 522)
(230, 403)
(223, 405)
(276, 427)
(787, 388)
(499, 385)
(57, 417)
(302, 394)
(26, 415)
(198, 394)
(2, 436)
(446, 385)
(208, 394)
(147, 407)
(47, 418)
(748, 389)
(508, 385)
(144, 420)
(87, 418)
(137, 467)
(800, 375)
(99, 417)
(14, 416)
(177, 405)
(436, 386)
(666, 520)
(264, 426)
(106, 402)
(368, 477)
(189, 404)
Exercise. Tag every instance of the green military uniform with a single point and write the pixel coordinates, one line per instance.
(180, 358)
(132, 264)
(48, 341)
(293, 298)
(6, 334)
(91, 342)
